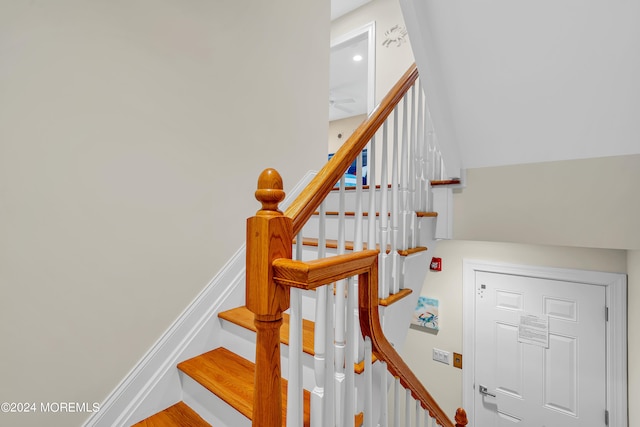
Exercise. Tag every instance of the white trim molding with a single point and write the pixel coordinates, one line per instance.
(616, 327)
(370, 31)
(154, 383)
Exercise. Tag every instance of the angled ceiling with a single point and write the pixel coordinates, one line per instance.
(530, 81)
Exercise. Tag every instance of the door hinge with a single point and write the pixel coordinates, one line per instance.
(606, 314)
(606, 417)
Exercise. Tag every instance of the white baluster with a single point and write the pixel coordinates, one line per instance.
(358, 246)
(340, 313)
(368, 384)
(298, 255)
(322, 231)
(384, 396)
(404, 219)
(341, 217)
(350, 390)
(407, 407)
(395, 207)
(339, 362)
(420, 141)
(371, 179)
(426, 190)
(430, 168)
(413, 226)
(437, 161)
(384, 217)
(317, 395)
(431, 155)
(396, 403)
(357, 236)
(320, 331)
(294, 387)
(418, 414)
(329, 406)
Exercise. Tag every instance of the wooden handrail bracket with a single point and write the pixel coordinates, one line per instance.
(312, 274)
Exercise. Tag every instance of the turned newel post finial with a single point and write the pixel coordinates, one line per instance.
(461, 418)
(269, 236)
(270, 192)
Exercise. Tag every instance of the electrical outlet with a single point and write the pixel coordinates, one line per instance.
(441, 356)
(457, 360)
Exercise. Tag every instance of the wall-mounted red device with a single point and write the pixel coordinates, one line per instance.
(436, 264)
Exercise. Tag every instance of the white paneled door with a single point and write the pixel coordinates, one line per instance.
(540, 352)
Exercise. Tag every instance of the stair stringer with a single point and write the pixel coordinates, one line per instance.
(155, 383)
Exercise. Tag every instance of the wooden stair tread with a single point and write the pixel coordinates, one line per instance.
(349, 245)
(353, 187)
(437, 182)
(419, 214)
(434, 183)
(395, 297)
(230, 377)
(243, 317)
(411, 251)
(333, 244)
(178, 415)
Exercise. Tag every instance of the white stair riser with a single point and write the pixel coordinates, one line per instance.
(332, 202)
(332, 226)
(243, 342)
(210, 407)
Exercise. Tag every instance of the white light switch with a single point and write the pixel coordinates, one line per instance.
(441, 356)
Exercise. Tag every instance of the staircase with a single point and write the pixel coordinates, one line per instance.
(331, 283)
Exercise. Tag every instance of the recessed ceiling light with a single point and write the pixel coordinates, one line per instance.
(357, 58)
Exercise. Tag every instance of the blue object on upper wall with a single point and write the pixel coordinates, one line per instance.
(350, 174)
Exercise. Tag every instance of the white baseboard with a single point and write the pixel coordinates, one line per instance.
(154, 383)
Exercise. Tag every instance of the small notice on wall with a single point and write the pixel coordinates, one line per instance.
(534, 329)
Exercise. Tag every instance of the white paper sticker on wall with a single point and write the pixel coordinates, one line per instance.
(534, 329)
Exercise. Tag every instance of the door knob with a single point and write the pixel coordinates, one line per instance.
(485, 392)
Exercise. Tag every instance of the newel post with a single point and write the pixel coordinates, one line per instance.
(461, 418)
(269, 237)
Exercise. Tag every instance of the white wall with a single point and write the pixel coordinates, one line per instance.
(131, 138)
(341, 130)
(556, 214)
(445, 381)
(584, 203)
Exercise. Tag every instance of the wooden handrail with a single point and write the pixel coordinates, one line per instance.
(312, 196)
(384, 351)
(311, 274)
